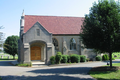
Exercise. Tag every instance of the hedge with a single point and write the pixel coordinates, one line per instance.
(68, 58)
(52, 59)
(58, 57)
(98, 58)
(75, 58)
(82, 58)
(64, 59)
(105, 57)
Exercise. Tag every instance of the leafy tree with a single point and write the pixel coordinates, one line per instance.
(11, 46)
(101, 27)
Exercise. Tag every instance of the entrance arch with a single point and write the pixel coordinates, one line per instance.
(37, 50)
(35, 53)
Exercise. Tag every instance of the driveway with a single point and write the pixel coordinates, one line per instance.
(71, 72)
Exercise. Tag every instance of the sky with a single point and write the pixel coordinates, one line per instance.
(11, 11)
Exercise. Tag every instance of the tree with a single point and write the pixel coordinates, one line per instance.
(11, 46)
(101, 27)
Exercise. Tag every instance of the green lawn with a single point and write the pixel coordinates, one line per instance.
(5, 57)
(106, 75)
(116, 55)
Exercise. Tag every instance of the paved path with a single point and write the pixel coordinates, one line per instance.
(72, 72)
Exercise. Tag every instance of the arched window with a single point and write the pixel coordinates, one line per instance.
(55, 43)
(72, 44)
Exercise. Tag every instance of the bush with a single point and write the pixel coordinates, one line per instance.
(82, 58)
(105, 57)
(68, 58)
(75, 58)
(58, 57)
(87, 59)
(64, 59)
(52, 59)
(24, 65)
(98, 58)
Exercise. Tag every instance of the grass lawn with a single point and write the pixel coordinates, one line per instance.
(25, 65)
(107, 75)
(116, 55)
(5, 57)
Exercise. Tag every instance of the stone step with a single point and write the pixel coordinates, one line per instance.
(38, 64)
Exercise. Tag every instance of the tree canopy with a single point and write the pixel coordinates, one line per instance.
(101, 27)
(11, 45)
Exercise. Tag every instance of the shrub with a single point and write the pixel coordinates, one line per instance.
(87, 59)
(64, 59)
(52, 59)
(58, 57)
(24, 65)
(82, 58)
(68, 58)
(74, 58)
(98, 58)
(105, 57)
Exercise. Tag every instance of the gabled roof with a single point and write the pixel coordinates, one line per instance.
(55, 24)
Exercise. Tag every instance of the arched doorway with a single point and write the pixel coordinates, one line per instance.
(35, 53)
(38, 51)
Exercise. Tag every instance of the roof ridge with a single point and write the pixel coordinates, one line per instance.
(55, 16)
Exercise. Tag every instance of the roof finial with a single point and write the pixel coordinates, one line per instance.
(23, 13)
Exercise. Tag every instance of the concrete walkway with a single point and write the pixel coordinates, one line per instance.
(71, 72)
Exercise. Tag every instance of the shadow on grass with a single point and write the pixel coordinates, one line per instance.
(106, 79)
(92, 73)
(102, 71)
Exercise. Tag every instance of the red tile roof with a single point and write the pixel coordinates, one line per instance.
(55, 24)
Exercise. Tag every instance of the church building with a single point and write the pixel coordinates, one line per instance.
(43, 36)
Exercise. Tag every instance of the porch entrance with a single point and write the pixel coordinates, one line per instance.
(35, 53)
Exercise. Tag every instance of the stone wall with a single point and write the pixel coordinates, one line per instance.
(64, 42)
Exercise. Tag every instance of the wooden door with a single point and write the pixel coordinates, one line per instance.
(35, 53)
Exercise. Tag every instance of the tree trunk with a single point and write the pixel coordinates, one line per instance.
(110, 54)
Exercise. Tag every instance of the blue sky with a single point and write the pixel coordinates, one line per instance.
(11, 11)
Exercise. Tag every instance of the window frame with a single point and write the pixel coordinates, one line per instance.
(38, 32)
(55, 43)
(72, 44)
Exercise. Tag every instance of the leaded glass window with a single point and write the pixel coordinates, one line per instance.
(55, 43)
(72, 44)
